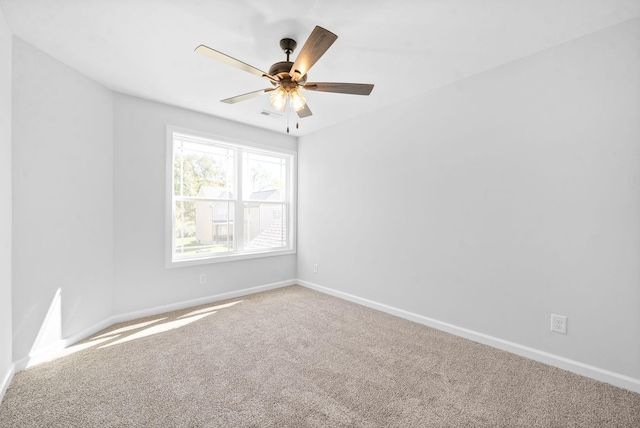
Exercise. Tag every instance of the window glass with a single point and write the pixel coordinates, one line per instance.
(265, 226)
(227, 200)
(200, 169)
(263, 177)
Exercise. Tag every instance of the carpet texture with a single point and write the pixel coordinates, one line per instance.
(293, 357)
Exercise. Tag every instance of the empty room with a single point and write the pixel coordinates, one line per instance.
(320, 214)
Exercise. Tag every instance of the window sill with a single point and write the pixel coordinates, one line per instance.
(170, 264)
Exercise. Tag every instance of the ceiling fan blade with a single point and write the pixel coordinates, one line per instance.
(341, 88)
(219, 56)
(316, 45)
(305, 112)
(246, 96)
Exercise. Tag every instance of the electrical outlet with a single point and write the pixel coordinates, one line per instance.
(558, 324)
(315, 268)
(203, 278)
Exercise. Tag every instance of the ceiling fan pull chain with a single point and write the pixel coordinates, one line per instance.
(288, 113)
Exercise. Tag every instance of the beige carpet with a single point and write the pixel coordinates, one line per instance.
(293, 357)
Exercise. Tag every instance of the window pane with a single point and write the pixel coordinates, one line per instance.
(264, 226)
(264, 178)
(203, 227)
(202, 170)
(219, 189)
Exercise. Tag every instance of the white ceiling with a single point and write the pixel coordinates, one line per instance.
(404, 47)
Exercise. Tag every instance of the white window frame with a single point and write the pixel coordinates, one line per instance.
(238, 253)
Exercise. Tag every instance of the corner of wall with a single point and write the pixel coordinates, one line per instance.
(6, 380)
(6, 337)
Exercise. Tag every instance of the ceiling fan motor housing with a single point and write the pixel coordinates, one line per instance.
(281, 71)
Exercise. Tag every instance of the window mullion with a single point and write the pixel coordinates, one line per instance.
(181, 194)
(287, 200)
(238, 218)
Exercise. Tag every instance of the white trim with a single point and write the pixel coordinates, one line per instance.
(603, 375)
(6, 380)
(201, 301)
(206, 260)
(46, 354)
(51, 351)
(228, 140)
(168, 207)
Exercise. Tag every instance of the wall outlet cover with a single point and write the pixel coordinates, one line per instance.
(559, 324)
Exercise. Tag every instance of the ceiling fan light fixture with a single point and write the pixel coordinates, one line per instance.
(288, 77)
(297, 99)
(278, 99)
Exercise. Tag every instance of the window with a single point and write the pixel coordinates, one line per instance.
(227, 201)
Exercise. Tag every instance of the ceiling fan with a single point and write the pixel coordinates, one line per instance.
(289, 77)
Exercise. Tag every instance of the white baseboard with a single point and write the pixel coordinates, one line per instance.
(46, 354)
(577, 367)
(50, 352)
(6, 380)
(603, 375)
(196, 302)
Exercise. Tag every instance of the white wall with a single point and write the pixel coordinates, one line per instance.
(494, 202)
(88, 210)
(6, 360)
(142, 281)
(63, 201)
